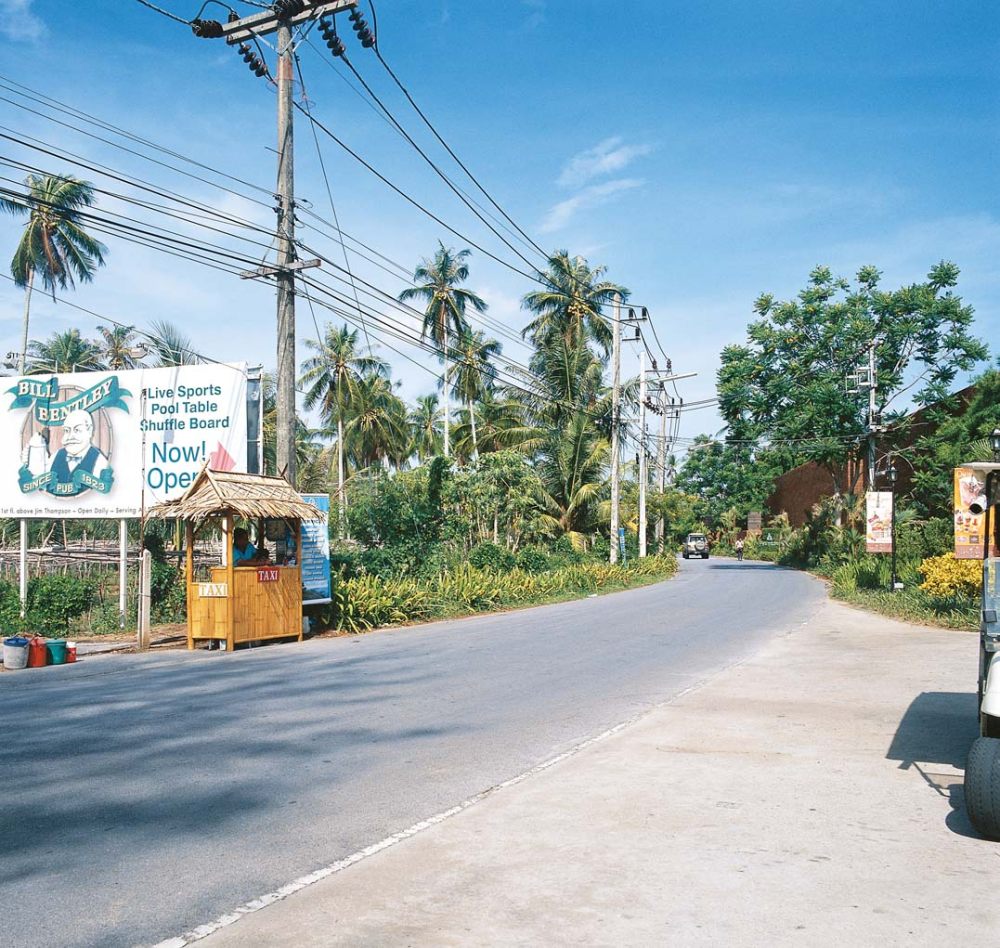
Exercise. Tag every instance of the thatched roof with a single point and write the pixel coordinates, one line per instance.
(252, 496)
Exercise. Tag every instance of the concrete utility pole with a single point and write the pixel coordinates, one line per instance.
(661, 467)
(872, 388)
(616, 356)
(285, 448)
(642, 453)
(280, 19)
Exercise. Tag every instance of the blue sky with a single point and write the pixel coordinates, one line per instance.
(703, 152)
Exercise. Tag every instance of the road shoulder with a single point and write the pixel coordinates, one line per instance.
(811, 794)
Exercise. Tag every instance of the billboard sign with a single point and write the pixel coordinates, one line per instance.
(316, 587)
(878, 521)
(970, 491)
(111, 444)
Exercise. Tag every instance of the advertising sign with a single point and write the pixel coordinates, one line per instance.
(316, 588)
(110, 444)
(970, 490)
(878, 521)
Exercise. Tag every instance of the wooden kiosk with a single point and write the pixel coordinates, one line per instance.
(242, 603)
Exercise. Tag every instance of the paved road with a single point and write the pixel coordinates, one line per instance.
(145, 795)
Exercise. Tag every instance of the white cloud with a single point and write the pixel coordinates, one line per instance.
(594, 196)
(608, 157)
(18, 22)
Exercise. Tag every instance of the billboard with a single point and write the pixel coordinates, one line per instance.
(878, 521)
(111, 444)
(969, 490)
(316, 587)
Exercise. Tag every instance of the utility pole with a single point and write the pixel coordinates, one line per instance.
(872, 388)
(616, 355)
(279, 20)
(661, 467)
(286, 255)
(642, 454)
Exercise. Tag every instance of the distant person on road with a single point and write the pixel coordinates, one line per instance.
(739, 549)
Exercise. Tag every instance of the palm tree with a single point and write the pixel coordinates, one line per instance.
(334, 375)
(446, 304)
(170, 346)
(570, 305)
(64, 352)
(121, 349)
(377, 432)
(474, 373)
(54, 244)
(425, 423)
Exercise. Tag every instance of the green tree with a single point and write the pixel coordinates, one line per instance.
(475, 373)
(570, 303)
(377, 432)
(170, 347)
(333, 378)
(446, 304)
(54, 245)
(64, 352)
(723, 477)
(120, 347)
(425, 424)
(785, 387)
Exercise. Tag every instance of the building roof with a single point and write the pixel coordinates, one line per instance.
(252, 496)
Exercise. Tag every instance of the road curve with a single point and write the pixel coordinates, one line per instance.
(146, 795)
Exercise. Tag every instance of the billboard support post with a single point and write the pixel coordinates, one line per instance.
(22, 568)
(122, 571)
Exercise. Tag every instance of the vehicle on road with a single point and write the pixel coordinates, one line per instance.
(696, 544)
(982, 770)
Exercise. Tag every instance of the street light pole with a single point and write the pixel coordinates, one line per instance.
(893, 475)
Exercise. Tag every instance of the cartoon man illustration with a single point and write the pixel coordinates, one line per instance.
(77, 451)
(76, 467)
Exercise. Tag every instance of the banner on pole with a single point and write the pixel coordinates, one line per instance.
(970, 491)
(878, 521)
(111, 444)
(316, 586)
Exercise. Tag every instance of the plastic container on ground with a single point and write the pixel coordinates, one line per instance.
(15, 652)
(57, 651)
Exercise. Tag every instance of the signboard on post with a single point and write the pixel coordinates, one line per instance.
(878, 521)
(316, 587)
(112, 444)
(970, 491)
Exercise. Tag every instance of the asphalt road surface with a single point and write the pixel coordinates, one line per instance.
(145, 795)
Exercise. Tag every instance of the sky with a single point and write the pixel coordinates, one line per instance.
(704, 153)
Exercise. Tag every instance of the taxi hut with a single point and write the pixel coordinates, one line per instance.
(258, 598)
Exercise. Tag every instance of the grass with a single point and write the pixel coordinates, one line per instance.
(914, 605)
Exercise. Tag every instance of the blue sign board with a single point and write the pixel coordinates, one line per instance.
(316, 588)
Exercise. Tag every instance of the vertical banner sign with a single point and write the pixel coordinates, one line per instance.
(878, 521)
(316, 588)
(970, 490)
(112, 444)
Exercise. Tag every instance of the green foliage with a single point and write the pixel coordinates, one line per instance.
(722, 477)
(532, 559)
(54, 601)
(785, 385)
(488, 555)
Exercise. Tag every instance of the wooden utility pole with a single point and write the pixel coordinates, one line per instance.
(285, 448)
(280, 19)
(616, 356)
(642, 454)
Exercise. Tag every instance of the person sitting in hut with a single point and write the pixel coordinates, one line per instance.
(244, 552)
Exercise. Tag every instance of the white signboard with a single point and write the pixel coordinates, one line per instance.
(111, 444)
(878, 521)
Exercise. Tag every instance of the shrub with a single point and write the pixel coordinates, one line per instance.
(532, 560)
(947, 577)
(54, 601)
(371, 601)
(491, 556)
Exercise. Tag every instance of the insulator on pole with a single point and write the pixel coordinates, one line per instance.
(206, 29)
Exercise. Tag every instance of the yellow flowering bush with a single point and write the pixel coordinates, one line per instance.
(946, 576)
